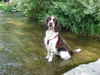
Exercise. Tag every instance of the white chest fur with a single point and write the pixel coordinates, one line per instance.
(50, 34)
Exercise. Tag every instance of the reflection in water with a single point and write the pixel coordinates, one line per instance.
(22, 50)
(14, 64)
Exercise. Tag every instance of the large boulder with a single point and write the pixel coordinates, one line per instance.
(92, 68)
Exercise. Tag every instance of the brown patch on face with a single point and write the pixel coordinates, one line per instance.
(46, 22)
(57, 25)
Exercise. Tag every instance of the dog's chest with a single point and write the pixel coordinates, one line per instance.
(50, 39)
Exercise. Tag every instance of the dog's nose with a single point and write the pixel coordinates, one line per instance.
(50, 24)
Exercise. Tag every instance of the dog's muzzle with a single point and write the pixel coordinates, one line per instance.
(50, 27)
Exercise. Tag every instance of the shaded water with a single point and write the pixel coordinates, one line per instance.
(22, 50)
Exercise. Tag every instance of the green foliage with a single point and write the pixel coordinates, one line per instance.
(30, 8)
(5, 7)
(79, 16)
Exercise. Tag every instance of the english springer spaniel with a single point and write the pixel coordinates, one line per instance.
(54, 42)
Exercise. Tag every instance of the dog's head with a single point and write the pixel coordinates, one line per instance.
(52, 23)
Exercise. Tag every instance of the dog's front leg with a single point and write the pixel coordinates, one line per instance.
(52, 53)
(48, 54)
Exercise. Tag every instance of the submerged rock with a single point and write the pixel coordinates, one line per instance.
(92, 68)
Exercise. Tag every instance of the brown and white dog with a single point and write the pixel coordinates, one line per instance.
(54, 43)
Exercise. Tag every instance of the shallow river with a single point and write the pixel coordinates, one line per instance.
(22, 51)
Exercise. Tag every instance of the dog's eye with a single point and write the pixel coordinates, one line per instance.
(50, 19)
(53, 19)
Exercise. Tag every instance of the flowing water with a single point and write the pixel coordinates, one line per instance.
(22, 51)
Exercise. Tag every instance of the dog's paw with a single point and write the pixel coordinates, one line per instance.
(49, 60)
(46, 57)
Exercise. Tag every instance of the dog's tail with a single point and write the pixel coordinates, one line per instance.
(77, 50)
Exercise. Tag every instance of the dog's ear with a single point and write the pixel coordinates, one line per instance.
(45, 23)
(57, 25)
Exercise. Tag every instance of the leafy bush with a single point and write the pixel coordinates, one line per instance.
(79, 16)
(5, 7)
(30, 8)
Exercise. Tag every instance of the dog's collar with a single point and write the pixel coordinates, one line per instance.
(52, 39)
